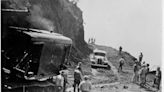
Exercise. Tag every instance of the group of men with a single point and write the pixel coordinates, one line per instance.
(141, 71)
(92, 40)
(82, 84)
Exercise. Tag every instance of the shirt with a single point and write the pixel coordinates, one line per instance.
(121, 61)
(143, 71)
(135, 67)
(60, 80)
(77, 75)
(158, 74)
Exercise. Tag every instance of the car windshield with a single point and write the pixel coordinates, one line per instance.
(100, 54)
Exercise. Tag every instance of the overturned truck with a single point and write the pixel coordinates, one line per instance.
(31, 54)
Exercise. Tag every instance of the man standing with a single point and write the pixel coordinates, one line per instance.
(65, 81)
(147, 67)
(60, 81)
(140, 57)
(120, 50)
(121, 63)
(142, 75)
(135, 75)
(77, 78)
(157, 79)
(85, 86)
(79, 66)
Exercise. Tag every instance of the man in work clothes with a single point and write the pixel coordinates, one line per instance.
(135, 75)
(120, 50)
(60, 81)
(77, 78)
(79, 66)
(142, 75)
(121, 63)
(140, 57)
(157, 79)
(65, 81)
(85, 85)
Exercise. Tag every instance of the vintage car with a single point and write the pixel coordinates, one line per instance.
(98, 59)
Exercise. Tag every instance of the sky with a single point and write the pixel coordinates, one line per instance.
(136, 25)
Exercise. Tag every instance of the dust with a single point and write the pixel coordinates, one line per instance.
(38, 20)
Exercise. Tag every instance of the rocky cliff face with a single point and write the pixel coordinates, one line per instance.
(61, 16)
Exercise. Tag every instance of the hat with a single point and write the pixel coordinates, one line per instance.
(86, 77)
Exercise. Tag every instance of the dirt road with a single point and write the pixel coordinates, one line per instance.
(111, 81)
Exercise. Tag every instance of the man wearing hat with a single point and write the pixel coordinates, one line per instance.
(85, 85)
(77, 78)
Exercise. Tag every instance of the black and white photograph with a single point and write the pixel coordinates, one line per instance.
(81, 45)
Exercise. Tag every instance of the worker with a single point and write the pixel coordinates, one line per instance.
(147, 67)
(142, 75)
(140, 57)
(157, 79)
(135, 75)
(65, 81)
(79, 65)
(120, 50)
(85, 85)
(121, 63)
(60, 81)
(77, 78)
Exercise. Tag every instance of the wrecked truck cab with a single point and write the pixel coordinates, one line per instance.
(32, 54)
(99, 59)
